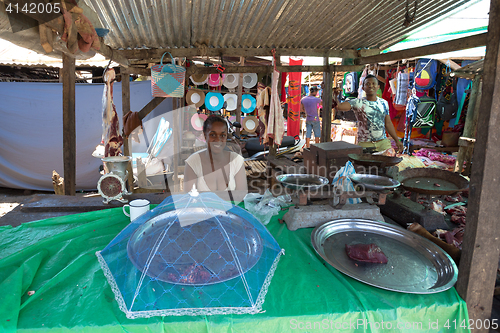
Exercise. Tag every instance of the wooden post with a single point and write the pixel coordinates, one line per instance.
(481, 246)
(272, 146)
(240, 94)
(326, 125)
(69, 126)
(470, 123)
(125, 78)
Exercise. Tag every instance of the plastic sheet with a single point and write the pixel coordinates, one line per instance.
(55, 258)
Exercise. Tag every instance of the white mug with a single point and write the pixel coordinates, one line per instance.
(137, 208)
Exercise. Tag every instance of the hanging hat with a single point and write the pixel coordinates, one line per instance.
(214, 80)
(248, 103)
(231, 81)
(197, 121)
(250, 124)
(196, 97)
(231, 101)
(199, 79)
(214, 101)
(249, 80)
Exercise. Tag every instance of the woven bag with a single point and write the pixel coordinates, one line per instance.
(167, 80)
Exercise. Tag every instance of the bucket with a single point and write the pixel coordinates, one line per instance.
(450, 139)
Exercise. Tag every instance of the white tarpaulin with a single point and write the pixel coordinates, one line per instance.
(31, 131)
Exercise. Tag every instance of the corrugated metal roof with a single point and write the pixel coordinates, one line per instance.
(311, 24)
(11, 54)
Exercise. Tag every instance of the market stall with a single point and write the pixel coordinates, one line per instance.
(51, 280)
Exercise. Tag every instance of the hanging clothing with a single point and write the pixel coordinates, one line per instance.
(276, 125)
(411, 115)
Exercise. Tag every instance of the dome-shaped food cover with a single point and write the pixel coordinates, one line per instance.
(193, 254)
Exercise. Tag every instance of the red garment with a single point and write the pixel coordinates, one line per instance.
(283, 91)
(294, 90)
(387, 95)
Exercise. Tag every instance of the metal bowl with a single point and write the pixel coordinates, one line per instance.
(302, 181)
(374, 182)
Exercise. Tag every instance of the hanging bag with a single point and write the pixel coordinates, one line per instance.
(425, 74)
(167, 80)
(425, 113)
(447, 104)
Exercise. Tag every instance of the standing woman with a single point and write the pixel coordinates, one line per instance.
(216, 169)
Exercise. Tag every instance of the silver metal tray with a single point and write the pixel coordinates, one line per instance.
(197, 254)
(415, 264)
(302, 181)
(374, 182)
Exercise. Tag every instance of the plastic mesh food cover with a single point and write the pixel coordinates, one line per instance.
(193, 254)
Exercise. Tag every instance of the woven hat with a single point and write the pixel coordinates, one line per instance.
(199, 79)
(231, 101)
(249, 80)
(231, 81)
(214, 80)
(197, 121)
(214, 101)
(250, 124)
(196, 97)
(248, 103)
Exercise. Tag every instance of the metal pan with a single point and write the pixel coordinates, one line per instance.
(376, 160)
(415, 265)
(374, 182)
(302, 181)
(426, 181)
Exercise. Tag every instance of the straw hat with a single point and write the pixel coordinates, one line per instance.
(214, 101)
(250, 124)
(248, 103)
(214, 80)
(231, 81)
(196, 97)
(231, 101)
(197, 121)
(199, 79)
(250, 80)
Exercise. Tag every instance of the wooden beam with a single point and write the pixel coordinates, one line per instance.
(69, 126)
(256, 69)
(150, 106)
(470, 121)
(125, 79)
(287, 69)
(240, 96)
(57, 24)
(240, 52)
(449, 46)
(326, 126)
(481, 245)
(453, 65)
(141, 71)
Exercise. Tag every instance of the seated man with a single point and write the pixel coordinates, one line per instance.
(215, 169)
(372, 114)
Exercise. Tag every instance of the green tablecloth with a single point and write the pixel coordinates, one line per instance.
(56, 259)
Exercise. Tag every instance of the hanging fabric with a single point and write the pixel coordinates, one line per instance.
(276, 125)
(411, 113)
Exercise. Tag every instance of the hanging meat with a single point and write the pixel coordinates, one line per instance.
(110, 124)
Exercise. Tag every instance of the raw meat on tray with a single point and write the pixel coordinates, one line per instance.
(366, 253)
